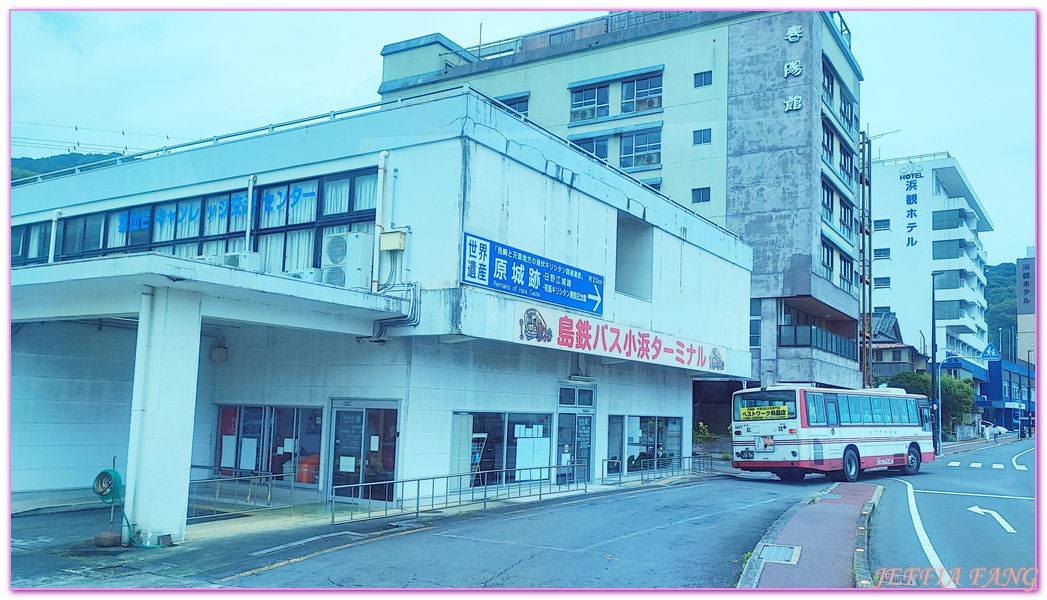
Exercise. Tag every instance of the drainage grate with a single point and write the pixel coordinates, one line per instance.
(779, 554)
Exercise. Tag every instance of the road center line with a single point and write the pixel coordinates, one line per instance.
(921, 533)
(977, 495)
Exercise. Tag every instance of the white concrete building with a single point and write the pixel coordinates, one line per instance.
(750, 118)
(926, 219)
(403, 283)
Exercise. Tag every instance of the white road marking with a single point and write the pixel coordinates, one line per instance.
(977, 495)
(954, 463)
(997, 466)
(1015, 462)
(921, 533)
(976, 465)
(992, 513)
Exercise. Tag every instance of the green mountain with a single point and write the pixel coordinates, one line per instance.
(1001, 298)
(28, 167)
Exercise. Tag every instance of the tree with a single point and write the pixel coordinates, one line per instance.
(957, 399)
(912, 383)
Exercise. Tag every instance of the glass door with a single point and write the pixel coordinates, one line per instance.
(347, 466)
(573, 447)
(380, 464)
(363, 452)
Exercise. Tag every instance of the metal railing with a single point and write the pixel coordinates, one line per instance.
(651, 469)
(239, 494)
(361, 501)
(816, 337)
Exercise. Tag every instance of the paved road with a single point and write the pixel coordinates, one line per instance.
(951, 497)
(663, 536)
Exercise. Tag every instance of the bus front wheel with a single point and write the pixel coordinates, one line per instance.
(912, 462)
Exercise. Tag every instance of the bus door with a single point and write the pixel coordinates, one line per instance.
(831, 446)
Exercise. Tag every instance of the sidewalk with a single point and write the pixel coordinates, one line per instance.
(797, 553)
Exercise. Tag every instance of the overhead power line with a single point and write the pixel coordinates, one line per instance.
(121, 132)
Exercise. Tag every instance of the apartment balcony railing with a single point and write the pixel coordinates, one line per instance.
(816, 337)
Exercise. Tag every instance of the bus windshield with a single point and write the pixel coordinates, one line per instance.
(764, 405)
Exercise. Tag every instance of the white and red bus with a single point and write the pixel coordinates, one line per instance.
(792, 430)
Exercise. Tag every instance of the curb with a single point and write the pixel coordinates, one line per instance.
(862, 575)
(753, 568)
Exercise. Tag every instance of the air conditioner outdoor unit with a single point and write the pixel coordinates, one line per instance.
(314, 275)
(651, 158)
(583, 114)
(346, 259)
(248, 261)
(649, 103)
(214, 259)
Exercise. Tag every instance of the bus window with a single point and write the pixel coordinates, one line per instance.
(877, 411)
(914, 417)
(887, 411)
(894, 411)
(819, 405)
(764, 405)
(830, 410)
(867, 411)
(856, 410)
(812, 409)
(903, 407)
(926, 419)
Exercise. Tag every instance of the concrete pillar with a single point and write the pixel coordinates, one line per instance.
(163, 402)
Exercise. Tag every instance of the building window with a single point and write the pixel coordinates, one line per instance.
(881, 282)
(703, 79)
(519, 105)
(881, 253)
(754, 323)
(643, 94)
(589, 103)
(846, 111)
(846, 164)
(561, 37)
(945, 219)
(846, 219)
(827, 257)
(896, 356)
(577, 396)
(877, 355)
(641, 149)
(827, 202)
(700, 195)
(703, 136)
(846, 273)
(597, 148)
(827, 83)
(827, 143)
(882, 225)
(881, 309)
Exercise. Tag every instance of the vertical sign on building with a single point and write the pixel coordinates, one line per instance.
(793, 68)
(1026, 286)
(911, 174)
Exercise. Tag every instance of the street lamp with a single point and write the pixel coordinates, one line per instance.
(935, 375)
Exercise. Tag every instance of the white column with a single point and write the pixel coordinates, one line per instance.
(163, 402)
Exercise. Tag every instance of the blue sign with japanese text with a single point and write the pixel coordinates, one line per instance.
(505, 269)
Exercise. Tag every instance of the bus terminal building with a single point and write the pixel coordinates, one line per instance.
(408, 290)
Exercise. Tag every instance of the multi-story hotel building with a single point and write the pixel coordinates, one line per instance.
(747, 118)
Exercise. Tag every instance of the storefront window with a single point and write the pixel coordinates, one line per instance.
(269, 440)
(650, 438)
(484, 442)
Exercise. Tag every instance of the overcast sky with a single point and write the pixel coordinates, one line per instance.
(960, 82)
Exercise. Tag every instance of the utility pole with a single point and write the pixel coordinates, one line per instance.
(865, 258)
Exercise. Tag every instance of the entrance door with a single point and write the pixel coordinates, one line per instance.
(363, 452)
(573, 447)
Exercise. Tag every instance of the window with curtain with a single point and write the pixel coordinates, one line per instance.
(365, 196)
(336, 196)
(164, 222)
(272, 206)
(216, 214)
